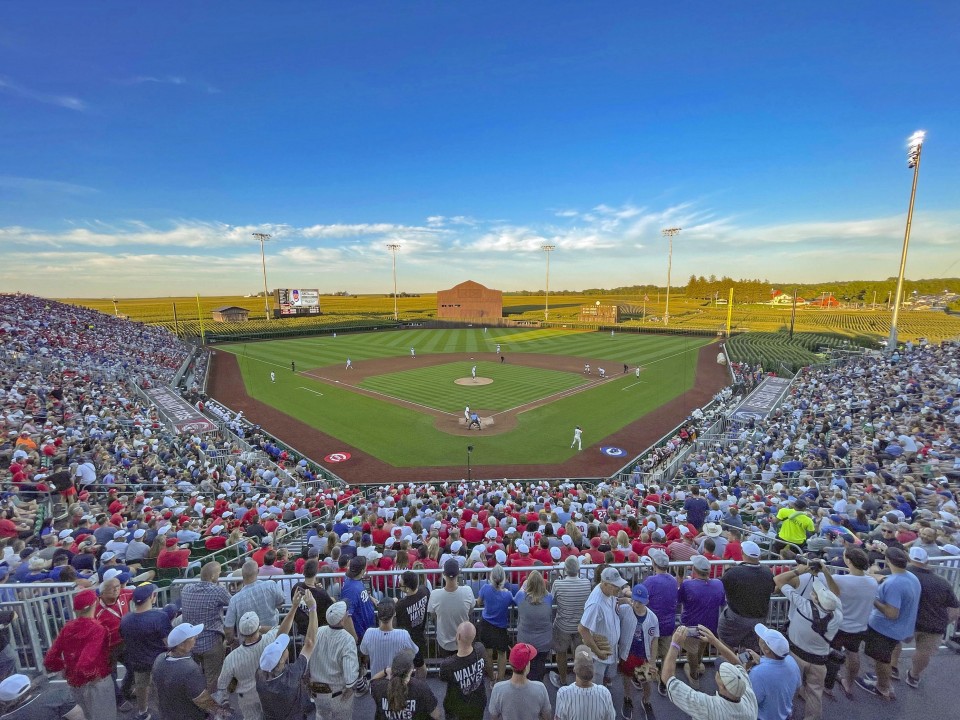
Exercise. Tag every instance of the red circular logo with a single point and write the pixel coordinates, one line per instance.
(337, 457)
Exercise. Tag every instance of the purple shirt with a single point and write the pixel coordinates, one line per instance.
(663, 601)
(702, 600)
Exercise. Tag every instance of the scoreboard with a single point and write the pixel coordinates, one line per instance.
(295, 301)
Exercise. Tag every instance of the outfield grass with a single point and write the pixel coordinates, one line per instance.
(435, 386)
(405, 437)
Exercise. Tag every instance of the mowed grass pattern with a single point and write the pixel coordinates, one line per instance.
(406, 437)
(435, 386)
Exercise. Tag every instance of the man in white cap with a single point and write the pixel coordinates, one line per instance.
(22, 700)
(735, 699)
(181, 687)
(335, 668)
(814, 622)
(774, 674)
(748, 588)
(280, 685)
(600, 625)
(242, 664)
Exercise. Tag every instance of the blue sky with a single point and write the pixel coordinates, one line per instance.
(143, 143)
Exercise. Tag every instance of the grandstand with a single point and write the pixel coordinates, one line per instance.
(865, 440)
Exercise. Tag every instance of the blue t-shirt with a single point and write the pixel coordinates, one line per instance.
(496, 605)
(697, 509)
(901, 591)
(775, 682)
(145, 638)
(359, 605)
(663, 601)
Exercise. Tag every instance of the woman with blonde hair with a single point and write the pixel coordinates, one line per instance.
(535, 621)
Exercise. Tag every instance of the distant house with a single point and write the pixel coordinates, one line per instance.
(825, 301)
(230, 313)
(782, 298)
(469, 301)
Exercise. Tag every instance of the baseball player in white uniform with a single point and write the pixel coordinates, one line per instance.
(577, 432)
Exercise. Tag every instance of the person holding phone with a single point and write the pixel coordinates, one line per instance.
(701, 597)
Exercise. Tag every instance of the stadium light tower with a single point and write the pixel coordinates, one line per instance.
(393, 247)
(263, 237)
(914, 147)
(669, 233)
(546, 299)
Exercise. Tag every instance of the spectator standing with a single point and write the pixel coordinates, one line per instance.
(795, 527)
(281, 684)
(937, 608)
(535, 622)
(181, 686)
(584, 699)
(360, 604)
(570, 594)
(464, 674)
(144, 632)
(701, 597)
(412, 617)
(450, 606)
(202, 603)
(335, 668)
(747, 588)
(696, 508)
(82, 651)
(663, 589)
(264, 598)
(857, 591)
(600, 625)
(114, 602)
(494, 619)
(639, 632)
(403, 696)
(519, 698)
(382, 643)
(774, 675)
(735, 699)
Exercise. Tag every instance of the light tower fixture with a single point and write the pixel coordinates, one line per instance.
(263, 237)
(914, 148)
(393, 247)
(669, 233)
(546, 300)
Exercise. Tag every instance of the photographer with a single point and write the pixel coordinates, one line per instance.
(735, 699)
(815, 617)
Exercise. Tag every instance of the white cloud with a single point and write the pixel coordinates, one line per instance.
(169, 80)
(65, 101)
(341, 230)
(39, 185)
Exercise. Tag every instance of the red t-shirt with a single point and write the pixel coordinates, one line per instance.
(8, 528)
(173, 558)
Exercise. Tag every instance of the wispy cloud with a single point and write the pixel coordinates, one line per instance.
(169, 80)
(39, 185)
(65, 101)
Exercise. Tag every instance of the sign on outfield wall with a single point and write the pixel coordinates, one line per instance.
(183, 416)
(762, 401)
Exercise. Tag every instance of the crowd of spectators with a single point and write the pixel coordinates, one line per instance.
(849, 486)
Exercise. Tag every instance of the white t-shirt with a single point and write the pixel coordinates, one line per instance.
(856, 597)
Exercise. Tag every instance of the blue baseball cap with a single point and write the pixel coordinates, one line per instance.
(641, 594)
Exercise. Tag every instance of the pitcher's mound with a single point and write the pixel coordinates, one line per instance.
(473, 381)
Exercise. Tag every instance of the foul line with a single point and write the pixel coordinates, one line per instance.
(309, 390)
(367, 391)
(641, 382)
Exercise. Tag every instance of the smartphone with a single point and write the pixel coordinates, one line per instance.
(693, 632)
(745, 657)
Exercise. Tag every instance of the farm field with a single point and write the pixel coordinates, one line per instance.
(377, 310)
(406, 434)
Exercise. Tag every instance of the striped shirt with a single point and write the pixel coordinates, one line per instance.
(681, 551)
(243, 664)
(700, 706)
(569, 596)
(382, 645)
(262, 597)
(577, 703)
(203, 603)
(335, 660)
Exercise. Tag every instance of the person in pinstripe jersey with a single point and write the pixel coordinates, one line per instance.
(382, 643)
(584, 700)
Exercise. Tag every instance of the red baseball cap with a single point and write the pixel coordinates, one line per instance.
(520, 656)
(171, 541)
(84, 599)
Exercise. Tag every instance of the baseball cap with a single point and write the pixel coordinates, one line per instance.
(734, 679)
(774, 639)
(918, 554)
(641, 594)
(659, 557)
(249, 623)
(751, 549)
(522, 653)
(273, 652)
(183, 631)
(107, 556)
(583, 657)
(828, 601)
(700, 563)
(501, 556)
(951, 550)
(144, 592)
(451, 568)
(336, 613)
(612, 576)
(84, 599)
(13, 687)
(523, 548)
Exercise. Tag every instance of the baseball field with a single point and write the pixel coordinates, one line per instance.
(401, 401)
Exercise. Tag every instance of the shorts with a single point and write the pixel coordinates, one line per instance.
(850, 642)
(879, 646)
(493, 637)
(565, 642)
(632, 662)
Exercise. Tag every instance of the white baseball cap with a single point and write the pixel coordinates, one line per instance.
(273, 652)
(14, 687)
(183, 631)
(774, 639)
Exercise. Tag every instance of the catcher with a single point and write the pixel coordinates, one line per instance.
(639, 630)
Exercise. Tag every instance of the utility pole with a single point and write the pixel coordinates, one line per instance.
(263, 237)
(546, 300)
(914, 148)
(669, 233)
(394, 247)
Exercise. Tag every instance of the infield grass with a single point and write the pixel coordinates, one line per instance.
(406, 437)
